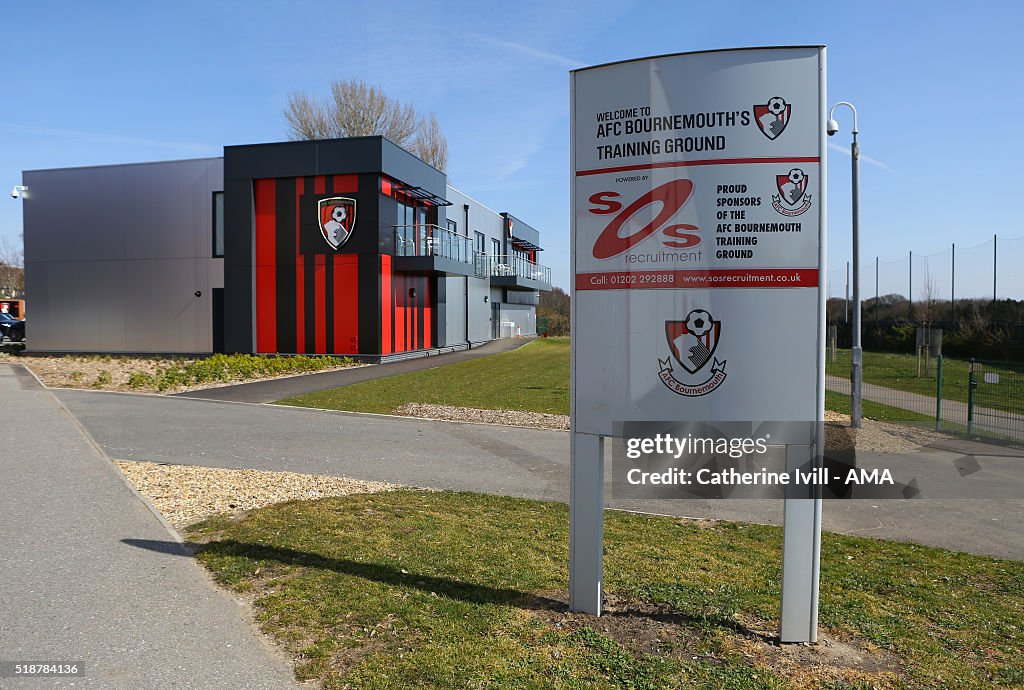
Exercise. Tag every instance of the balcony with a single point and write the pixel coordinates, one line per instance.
(432, 249)
(518, 272)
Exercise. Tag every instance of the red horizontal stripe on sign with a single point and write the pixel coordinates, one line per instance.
(699, 278)
(687, 164)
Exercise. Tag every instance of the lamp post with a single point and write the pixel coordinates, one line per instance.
(856, 354)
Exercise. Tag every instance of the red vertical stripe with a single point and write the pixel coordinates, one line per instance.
(346, 304)
(300, 275)
(266, 282)
(320, 300)
(319, 184)
(346, 184)
(387, 314)
(414, 326)
(426, 314)
(399, 302)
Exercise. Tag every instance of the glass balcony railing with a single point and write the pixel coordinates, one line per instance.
(481, 263)
(514, 265)
(432, 240)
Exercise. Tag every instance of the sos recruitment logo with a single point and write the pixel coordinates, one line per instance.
(672, 196)
(693, 342)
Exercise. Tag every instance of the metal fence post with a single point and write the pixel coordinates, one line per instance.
(938, 397)
(910, 286)
(971, 385)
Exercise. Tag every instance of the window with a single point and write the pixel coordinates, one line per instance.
(495, 247)
(480, 246)
(218, 225)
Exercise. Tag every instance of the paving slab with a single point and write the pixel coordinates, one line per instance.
(78, 583)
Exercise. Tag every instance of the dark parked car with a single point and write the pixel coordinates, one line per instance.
(12, 328)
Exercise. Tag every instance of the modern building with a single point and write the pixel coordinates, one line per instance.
(345, 246)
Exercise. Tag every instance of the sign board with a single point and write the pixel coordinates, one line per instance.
(698, 231)
(697, 219)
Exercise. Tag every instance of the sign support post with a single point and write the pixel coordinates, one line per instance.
(586, 522)
(801, 556)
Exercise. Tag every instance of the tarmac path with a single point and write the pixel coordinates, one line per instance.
(986, 516)
(82, 580)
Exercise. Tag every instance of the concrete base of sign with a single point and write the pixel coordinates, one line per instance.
(586, 522)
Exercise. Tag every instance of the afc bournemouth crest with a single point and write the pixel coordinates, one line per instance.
(793, 199)
(693, 343)
(772, 117)
(337, 219)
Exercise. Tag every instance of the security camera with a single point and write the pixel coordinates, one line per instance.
(832, 127)
(18, 189)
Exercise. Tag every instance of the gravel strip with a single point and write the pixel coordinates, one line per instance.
(112, 372)
(874, 436)
(449, 413)
(187, 494)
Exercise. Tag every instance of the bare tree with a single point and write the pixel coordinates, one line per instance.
(430, 144)
(356, 109)
(12, 270)
(307, 118)
(927, 307)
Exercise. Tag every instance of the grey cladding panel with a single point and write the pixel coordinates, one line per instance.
(121, 272)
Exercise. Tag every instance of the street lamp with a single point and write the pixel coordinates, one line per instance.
(856, 354)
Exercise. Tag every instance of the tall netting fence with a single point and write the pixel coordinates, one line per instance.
(943, 339)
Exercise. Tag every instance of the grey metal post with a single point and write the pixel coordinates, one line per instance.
(586, 522)
(952, 287)
(910, 286)
(876, 291)
(846, 296)
(995, 247)
(801, 552)
(856, 353)
(856, 359)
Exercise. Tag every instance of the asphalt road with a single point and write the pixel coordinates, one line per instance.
(78, 582)
(532, 463)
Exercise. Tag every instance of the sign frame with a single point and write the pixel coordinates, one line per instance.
(801, 514)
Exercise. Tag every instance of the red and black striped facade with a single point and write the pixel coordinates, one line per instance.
(287, 290)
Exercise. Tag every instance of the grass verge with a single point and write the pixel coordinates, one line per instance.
(840, 402)
(532, 378)
(451, 590)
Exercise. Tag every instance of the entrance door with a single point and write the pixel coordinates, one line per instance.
(495, 320)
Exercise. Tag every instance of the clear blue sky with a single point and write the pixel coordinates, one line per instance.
(938, 85)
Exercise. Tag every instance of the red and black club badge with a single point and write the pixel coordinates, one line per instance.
(693, 342)
(792, 199)
(773, 116)
(337, 219)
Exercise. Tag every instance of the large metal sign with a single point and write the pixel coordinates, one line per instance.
(698, 250)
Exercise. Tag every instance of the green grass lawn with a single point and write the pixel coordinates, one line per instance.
(452, 590)
(840, 402)
(533, 378)
(899, 372)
